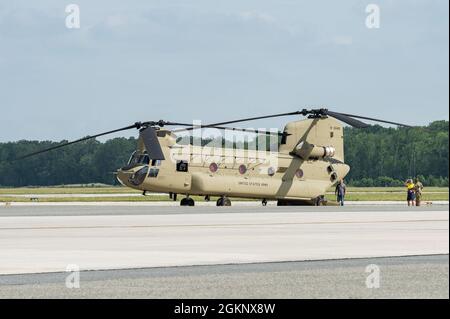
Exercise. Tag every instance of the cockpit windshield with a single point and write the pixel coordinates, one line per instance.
(139, 159)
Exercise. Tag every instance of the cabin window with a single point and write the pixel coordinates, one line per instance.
(213, 168)
(242, 169)
(182, 166)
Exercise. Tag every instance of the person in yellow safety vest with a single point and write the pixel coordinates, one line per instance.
(418, 188)
(411, 194)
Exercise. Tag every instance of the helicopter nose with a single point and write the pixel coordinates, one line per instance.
(133, 177)
(123, 177)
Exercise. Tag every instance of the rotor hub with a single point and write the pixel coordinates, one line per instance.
(315, 113)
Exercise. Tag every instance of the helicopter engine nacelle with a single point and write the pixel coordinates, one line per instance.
(306, 150)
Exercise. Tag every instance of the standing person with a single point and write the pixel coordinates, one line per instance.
(418, 188)
(411, 194)
(340, 191)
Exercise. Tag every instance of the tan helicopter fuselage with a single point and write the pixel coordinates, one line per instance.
(309, 160)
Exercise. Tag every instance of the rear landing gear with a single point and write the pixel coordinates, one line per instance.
(173, 196)
(187, 202)
(317, 201)
(264, 202)
(223, 201)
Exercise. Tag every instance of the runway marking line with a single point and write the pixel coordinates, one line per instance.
(222, 225)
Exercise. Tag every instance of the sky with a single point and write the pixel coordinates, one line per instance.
(186, 60)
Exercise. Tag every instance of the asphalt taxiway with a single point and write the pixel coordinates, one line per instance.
(111, 244)
(400, 277)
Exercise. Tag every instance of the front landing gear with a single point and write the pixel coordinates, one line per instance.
(320, 201)
(187, 202)
(223, 201)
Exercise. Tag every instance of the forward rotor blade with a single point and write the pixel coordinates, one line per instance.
(177, 124)
(151, 143)
(347, 119)
(240, 121)
(249, 130)
(162, 123)
(376, 120)
(78, 141)
(239, 130)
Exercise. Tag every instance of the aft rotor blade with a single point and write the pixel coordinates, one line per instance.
(151, 143)
(78, 141)
(373, 119)
(347, 119)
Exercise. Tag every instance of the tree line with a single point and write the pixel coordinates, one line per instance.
(378, 156)
(381, 156)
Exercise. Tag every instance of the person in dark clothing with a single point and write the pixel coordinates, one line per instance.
(340, 191)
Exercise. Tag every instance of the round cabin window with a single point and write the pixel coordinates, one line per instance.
(242, 169)
(333, 177)
(213, 167)
(299, 173)
(271, 171)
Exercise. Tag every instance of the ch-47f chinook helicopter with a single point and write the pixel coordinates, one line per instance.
(309, 159)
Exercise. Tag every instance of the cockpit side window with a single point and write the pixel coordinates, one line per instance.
(156, 162)
(153, 172)
(283, 139)
(143, 159)
(131, 160)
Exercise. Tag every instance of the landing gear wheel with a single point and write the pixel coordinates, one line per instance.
(187, 202)
(223, 201)
(320, 201)
(264, 202)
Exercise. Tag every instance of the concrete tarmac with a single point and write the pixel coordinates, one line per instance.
(47, 239)
(160, 208)
(226, 252)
